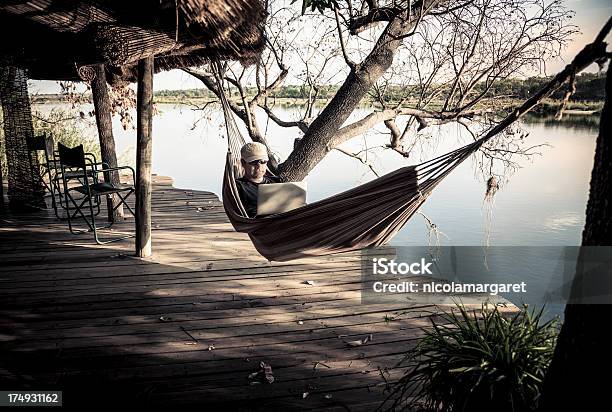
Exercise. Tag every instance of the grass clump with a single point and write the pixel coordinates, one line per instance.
(476, 360)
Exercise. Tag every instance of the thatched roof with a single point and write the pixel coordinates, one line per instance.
(58, 39)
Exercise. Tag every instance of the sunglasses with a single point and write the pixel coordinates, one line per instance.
(258, 162)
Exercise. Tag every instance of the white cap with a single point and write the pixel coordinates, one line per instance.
(254, 151)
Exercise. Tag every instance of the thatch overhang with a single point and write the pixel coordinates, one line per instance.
(59, 39)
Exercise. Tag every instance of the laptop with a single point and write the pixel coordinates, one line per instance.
(280, 197)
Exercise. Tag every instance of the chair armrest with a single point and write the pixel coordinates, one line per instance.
(111, 169)
(90, 155)
(93, 164)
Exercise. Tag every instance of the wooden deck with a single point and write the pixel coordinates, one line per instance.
(192, 323)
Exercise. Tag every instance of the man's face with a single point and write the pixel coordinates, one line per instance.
(254, 170)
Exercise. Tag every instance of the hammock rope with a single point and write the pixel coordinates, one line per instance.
(367, 215)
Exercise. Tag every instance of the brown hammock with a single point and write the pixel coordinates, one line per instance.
(368, 215)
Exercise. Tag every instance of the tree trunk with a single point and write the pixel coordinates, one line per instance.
(577, 377)
(2, 207)
(320, 136)
(25, 191)
(102, 107)
(143, 157)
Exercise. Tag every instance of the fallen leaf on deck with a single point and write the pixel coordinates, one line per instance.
(322, 364)
(359, 342)
(264, 374)
(267, 372)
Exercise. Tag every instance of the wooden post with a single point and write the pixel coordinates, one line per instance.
(143, 157)
(102, 107)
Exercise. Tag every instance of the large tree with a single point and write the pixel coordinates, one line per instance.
(423, 62)
(102, 105)
(577, 377)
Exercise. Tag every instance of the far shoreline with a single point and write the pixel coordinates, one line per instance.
(546, 107)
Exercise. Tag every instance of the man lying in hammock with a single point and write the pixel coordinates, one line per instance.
(254, 159)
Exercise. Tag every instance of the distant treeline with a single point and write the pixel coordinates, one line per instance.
(589, 87)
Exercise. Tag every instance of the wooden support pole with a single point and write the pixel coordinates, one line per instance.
(102, 105)
(143, 157)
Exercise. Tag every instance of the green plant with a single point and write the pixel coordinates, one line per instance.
(477, 360)
(68, 129)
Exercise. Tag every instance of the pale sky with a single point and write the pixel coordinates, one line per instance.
(590, 17)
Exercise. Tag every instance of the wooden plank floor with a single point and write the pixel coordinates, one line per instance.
(192, 323)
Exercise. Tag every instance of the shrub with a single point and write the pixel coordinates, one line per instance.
(477, 360)
(67, 129)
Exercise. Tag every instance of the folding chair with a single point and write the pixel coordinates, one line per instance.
(71, 173)
(49, 173)
(75, 160)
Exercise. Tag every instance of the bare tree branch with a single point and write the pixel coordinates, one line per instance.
(302, 125)
(375, 15)
(347, 59)
(355, 156)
